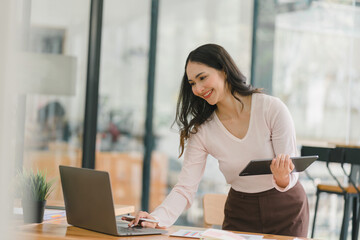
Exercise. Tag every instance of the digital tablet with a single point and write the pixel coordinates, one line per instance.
(260, 167)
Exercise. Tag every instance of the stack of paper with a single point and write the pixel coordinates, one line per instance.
(187, 233)
(52, 214)
(215, 234)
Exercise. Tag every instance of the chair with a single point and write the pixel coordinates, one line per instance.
(350, 193)
(352, 156)
(213, 205)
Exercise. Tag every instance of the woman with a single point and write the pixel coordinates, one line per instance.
(219, 114)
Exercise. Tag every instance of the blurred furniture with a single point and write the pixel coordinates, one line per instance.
(49, 74)
(213, 205)
(49, 161)
(351, 155)
(125, 169)
(351, 193)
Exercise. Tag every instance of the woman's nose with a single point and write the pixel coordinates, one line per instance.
(199, 89)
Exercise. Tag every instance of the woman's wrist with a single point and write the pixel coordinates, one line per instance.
(282, 181)
(159, 227)
(157, 219)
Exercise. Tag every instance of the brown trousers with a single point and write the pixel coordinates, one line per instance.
(269, 212)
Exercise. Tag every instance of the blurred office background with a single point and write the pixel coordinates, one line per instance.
(304, 52)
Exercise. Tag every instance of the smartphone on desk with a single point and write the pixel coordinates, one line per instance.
(130, 218)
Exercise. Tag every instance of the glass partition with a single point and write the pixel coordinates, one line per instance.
(55, 56)
(183, 26)
(316, 58)
(317, 73)
(122, 101)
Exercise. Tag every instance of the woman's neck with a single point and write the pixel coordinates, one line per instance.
(230, 107)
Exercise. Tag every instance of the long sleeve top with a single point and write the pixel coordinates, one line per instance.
(271, 131)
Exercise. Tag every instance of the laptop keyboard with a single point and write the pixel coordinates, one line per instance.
(128, 229)
(123, 230)
(132, 230)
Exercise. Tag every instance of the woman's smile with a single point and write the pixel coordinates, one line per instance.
(207, 94)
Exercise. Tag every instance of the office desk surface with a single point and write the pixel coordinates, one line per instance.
(59, 229)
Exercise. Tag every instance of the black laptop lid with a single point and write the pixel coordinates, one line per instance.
(88, 199)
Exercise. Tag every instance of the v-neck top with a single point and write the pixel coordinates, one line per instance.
(221, 125)
(271, 132)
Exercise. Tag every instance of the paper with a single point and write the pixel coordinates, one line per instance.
(252, 237)
(51, 214)
(187, 233)
(215, 234)
(18, 211)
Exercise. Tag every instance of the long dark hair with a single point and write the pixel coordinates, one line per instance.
(192, 111)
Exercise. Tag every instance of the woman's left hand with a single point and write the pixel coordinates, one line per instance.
(281, 167)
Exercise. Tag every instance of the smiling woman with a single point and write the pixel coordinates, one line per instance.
(213, 76)
(205, 81)
(220, 115)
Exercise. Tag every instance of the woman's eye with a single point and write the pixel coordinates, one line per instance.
(192, 84)
(202, 77)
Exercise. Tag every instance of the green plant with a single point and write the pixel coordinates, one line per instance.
(34, 186)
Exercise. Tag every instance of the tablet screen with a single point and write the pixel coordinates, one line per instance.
(262, 166)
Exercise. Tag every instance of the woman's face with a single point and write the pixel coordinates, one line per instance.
(206, 82)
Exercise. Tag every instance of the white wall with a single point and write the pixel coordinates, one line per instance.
(9, 21)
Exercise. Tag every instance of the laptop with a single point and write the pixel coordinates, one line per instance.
(89, 203)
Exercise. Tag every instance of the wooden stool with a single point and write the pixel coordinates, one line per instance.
(213, 205)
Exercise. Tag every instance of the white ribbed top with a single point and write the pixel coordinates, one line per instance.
(271, 131)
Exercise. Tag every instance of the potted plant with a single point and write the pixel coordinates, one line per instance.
(34, 190)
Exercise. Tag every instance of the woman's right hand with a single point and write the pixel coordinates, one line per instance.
(142, 214)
